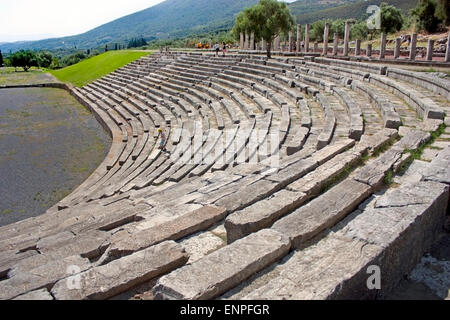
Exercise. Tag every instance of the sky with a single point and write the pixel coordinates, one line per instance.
(39, 19)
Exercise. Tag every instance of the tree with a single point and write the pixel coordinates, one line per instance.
(425, 15)
(317, 30)
(24, 59)
(137, 42)
(267, 20)
(391, 18)
(44, 59)
(443, 11)
(1, 59)
(359, 30)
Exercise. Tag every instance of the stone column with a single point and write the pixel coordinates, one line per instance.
(291, 43)
(346, 37)
(252, 41)
(307, 38)
(358, 47)
(316, 47)
(277, 43)
(246, 41)
(299, 38)
(326, 31)
(383, 46)
(447, 52)
(242, 41)
(398, 44)
(430, 48)
(369, 50)
(263, 45)
(335, 44)
(413, 47)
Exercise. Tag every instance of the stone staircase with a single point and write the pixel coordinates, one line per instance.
(282, 179)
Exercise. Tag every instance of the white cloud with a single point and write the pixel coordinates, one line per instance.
(32, 19)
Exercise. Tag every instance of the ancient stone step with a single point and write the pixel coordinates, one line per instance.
(392, 234)
(223, 269)
(109, 280)
(44, 276)
(176, 229)
(322, 212)
(262, 214)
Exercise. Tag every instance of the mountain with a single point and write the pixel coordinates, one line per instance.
(349, 10)
(169, 19)
(180, 18)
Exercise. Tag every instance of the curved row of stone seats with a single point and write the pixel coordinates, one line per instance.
(434, 84)
(330, 118)
(369, 67)
(133, 146)
(386, 108)
(290, 233)
(426, 108)
(270, 213)
(122, 168)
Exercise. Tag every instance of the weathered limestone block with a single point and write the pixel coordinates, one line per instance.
(106, 281)
(393, 235)
(322, 212)
(293, 172)
(413, 140)
(249, 195)
(376, 141)
(223, 269)
(313, 183)
(404, 223)
(38, 295)
(261, 214)
(316, 272)
(176, 229)
(20, 282)
(439, 170)
(331, 151)
(375, 171)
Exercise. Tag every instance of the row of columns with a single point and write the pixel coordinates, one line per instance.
(247, 41)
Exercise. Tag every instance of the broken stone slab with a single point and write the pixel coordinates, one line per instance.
(322, 212)
(38, 295)
(223, 269)
(439, 168)
(107, 281)
(176, 229)
(293, 172)
(44, 276)
(316, 272)
(261, 214)
(404, 223)
(331, 151)
(413, 139)
(249, 195)
(392, 235)
(90, 245)
(375, 171)
(374, 142)
(313, 183)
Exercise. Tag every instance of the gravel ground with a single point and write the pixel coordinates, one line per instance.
(49, 144)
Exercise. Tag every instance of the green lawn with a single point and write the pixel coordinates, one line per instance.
(96, 67)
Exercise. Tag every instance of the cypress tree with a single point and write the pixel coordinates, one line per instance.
(1, 59)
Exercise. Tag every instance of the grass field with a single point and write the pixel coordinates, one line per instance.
(91, 69)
